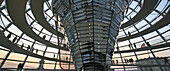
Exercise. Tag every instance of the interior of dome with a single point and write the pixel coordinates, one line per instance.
(84, 35)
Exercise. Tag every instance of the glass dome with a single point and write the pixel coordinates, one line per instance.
(34, 35)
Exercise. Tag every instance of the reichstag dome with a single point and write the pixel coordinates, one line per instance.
(84, 35)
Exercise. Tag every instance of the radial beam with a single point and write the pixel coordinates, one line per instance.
(10, 45)
(0, 4)
(16, 10)
(147, 7)
(161, 23)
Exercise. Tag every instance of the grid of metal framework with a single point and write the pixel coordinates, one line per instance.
(144, 21)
